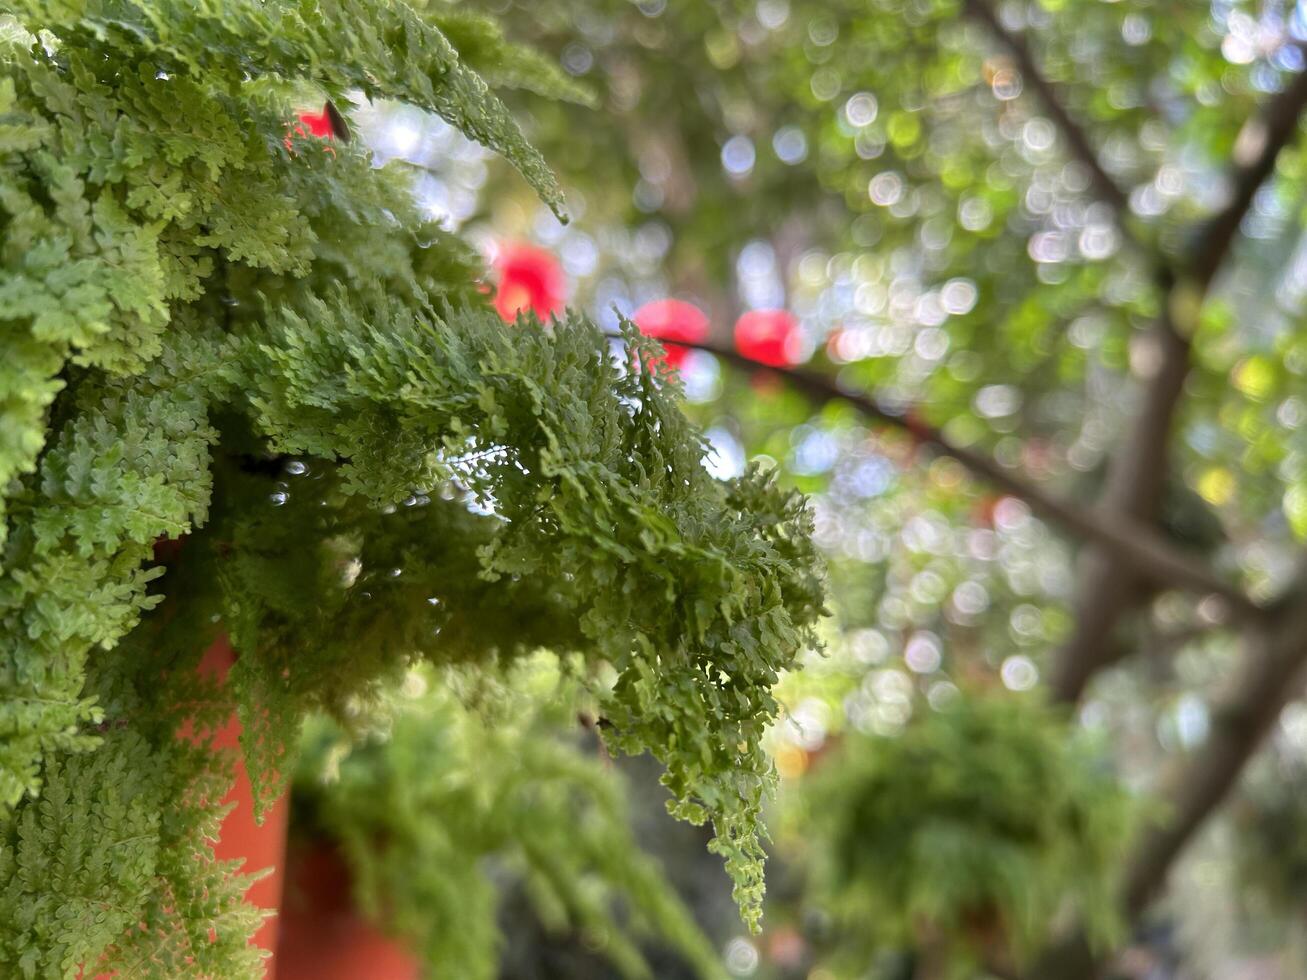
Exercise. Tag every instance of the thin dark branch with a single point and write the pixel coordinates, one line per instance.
(1105, 186)
(1131, 541)
(1109, 587)
(1165, 645)
(1237, 729)
(1255, 152)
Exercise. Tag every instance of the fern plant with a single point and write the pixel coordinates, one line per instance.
(220, 328)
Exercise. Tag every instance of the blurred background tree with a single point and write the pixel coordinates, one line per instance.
(1015, 291)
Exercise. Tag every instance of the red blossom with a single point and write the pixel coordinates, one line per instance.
(672, 319)
(319, 123)
(311, 124)
(769, 337)
(530, 278)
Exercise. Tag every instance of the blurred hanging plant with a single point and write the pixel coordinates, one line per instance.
(965, 836)
(425, 811)
(264, 348)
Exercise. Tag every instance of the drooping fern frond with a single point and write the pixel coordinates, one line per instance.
(481, 43)
(688, 587)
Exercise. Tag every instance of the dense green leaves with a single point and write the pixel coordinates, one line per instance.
(112, 868)
(385, 50)
(129, 465)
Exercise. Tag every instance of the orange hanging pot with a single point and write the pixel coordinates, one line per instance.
(241, 838)
(257, 846)
(314, 931)
(323, 936)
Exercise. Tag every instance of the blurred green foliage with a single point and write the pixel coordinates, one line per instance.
(968, 833)
(460, 791)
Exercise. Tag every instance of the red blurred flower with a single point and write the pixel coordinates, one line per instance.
(311, 124)
(530, 278)
(672, 319)
(768, 336)
(319, 123)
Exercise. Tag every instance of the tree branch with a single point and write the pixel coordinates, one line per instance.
(1277, 649)
(1273, 674)
(1256, 149)
(1107, 589)
(1105, 186)
(1133, 542)
(1107, 585)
